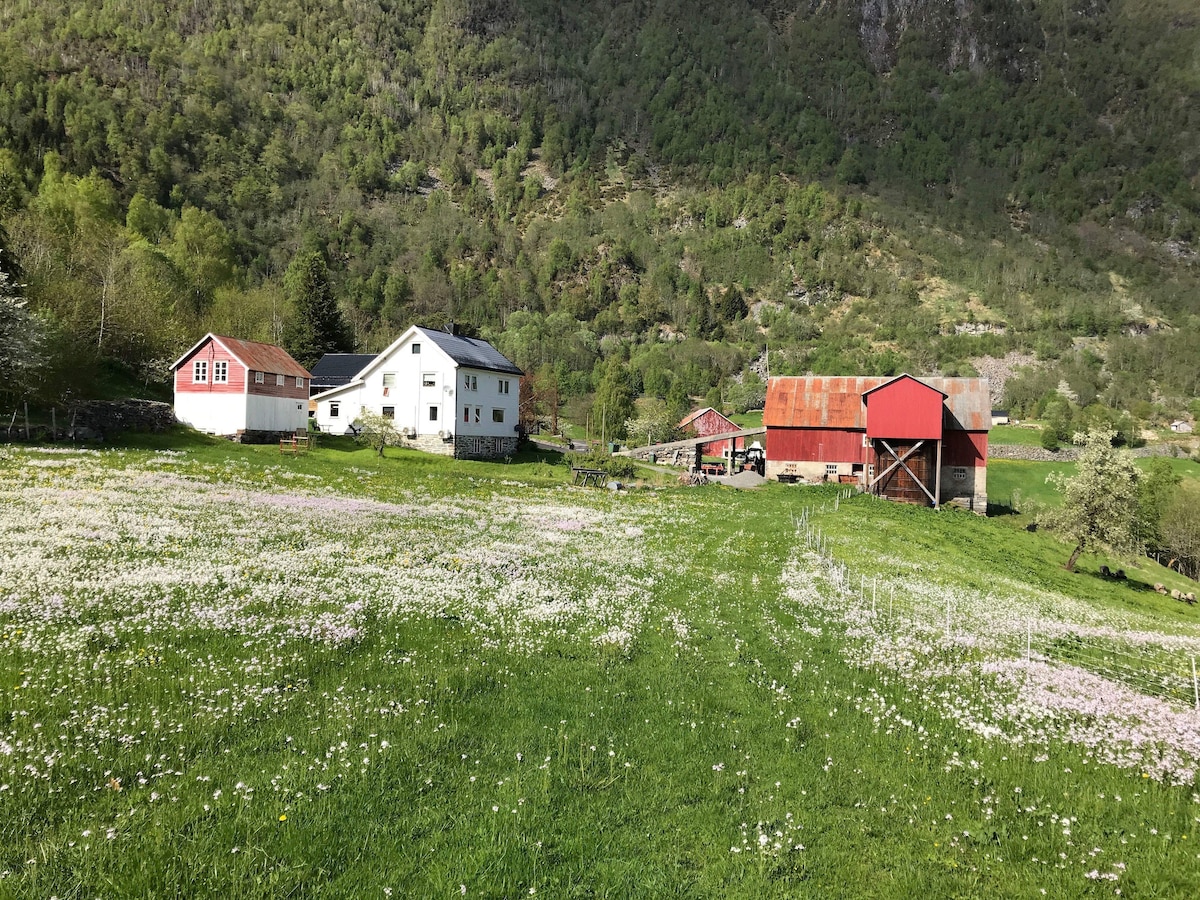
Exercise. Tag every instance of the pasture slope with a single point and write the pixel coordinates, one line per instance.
(227, 674)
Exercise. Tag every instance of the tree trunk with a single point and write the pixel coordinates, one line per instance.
(1074, 557)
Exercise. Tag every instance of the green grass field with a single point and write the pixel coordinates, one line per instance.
(227, 673)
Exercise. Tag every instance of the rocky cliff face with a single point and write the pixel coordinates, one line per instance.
(975, 35)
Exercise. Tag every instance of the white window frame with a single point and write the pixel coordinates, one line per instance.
(831, 469)
(429, 379)
(433, 413)
(260, 377)
(200, 371)
(470, 382)
(389, 412)
(866, 440)
(416, 348)
(478, 413)
(299, 381)
(466, 415)
(278, 381)
(335, 409)
(503, 385)
(220, 371)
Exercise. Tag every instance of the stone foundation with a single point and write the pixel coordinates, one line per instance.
(470, 447)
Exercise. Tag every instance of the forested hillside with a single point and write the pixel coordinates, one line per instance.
(861, 186)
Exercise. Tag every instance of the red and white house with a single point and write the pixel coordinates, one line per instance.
(915, 440)
(702, 422)
(227, 386)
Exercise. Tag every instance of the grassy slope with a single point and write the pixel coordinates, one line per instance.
(612, 774)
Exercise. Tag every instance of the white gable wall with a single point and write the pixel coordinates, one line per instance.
(216, 413)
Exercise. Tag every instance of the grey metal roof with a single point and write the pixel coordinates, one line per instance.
(337, 369)
(472, 352)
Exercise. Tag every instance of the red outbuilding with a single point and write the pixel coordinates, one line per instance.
(914, 440)
(228, 386)
(706, 421)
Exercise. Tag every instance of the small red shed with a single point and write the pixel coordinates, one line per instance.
(706, 421)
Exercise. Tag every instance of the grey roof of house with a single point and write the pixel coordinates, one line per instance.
(472, 352)
(336, 369)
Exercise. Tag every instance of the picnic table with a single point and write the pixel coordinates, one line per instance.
(583, 475)
(295, 444)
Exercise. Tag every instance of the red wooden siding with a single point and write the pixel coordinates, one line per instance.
(817, 445)
(270, 389)
(965, 448)
(904, 409)
(212, 352)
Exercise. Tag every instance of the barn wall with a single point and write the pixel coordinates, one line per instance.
(905, 410)
(965, 448)
(816, 445)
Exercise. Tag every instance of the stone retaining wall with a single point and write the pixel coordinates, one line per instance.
(1070, 454)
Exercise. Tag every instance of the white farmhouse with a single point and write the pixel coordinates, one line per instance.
(447, 393)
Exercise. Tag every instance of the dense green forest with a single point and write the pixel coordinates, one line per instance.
(664, 188)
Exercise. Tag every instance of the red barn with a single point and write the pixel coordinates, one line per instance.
(227, 386)
(709, 421)
(914, 440)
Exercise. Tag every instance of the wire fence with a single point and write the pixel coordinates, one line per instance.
(1153, 665)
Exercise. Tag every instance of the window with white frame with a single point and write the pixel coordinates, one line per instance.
(466, 414)
(260, 377)
(831, 469)
(335, 409)
(200, 371)
(477, 445)
(429, 379)
(220, 372)
(299, 382)
(478, 412)
(503, 385)
(389, 412)
(278, 381)
(389, 379)
(871, 472)
(866, 440)
(497, 415)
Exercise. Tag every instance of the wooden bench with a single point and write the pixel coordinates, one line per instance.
(296, 444)
(583, 475)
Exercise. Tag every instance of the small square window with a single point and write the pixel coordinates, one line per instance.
(278, 381)
(433, 414)
(389, 412)
(416, 349)
(335, 409)
(497, 415)
(429, 379)
(200, 371)
(389, 379)
(959, 473)
(260, 377)
(831, 468)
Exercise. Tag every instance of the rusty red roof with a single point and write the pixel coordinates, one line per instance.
(253, 355)
(816, 401)
(691, 417)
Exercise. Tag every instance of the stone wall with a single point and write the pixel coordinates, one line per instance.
(471, 447)
(96, 418)
(1068, 454)
(429, 443)
(684, 459)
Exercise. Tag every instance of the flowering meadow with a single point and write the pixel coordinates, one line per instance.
(223, 673)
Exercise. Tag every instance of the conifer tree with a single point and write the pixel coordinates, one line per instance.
(316, 326)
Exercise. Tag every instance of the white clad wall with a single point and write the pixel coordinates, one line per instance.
(214, 413)
(483, 394)
(276, 413)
